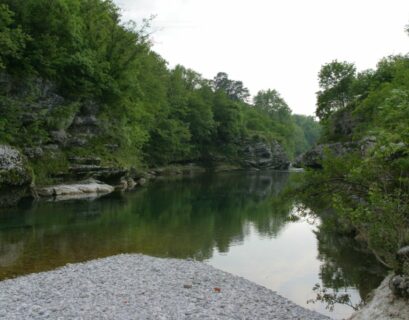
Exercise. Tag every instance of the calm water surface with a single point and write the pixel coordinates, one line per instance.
(238, 222)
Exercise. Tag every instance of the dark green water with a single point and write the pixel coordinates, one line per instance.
(238, 222)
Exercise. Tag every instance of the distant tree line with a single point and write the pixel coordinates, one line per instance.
(157, 114)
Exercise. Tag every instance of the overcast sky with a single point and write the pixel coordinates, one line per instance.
(277, 44)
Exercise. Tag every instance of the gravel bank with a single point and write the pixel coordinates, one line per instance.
(142, 287)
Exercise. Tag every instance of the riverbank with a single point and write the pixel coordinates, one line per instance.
(125, 286)
(23, 177)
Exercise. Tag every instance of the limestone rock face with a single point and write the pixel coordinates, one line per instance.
(65, 122)
(15, 177)
(314, 157)
(90, 167)
(261, 154)
(13, 169)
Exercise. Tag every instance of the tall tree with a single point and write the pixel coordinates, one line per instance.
(235, 90)
(335, 81)
(271, 102)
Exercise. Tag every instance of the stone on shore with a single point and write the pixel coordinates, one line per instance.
(77, 189)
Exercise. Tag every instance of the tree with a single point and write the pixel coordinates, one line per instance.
(335, 80)
(235, 90)
(271, 102)
(200, 118)
(310, 127)
(12, 39)
(227, 117)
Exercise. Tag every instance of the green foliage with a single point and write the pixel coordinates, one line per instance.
(227, 117)
(272, 103)
(67, 58)
(235, 90)
(271, 118)
(12, 38)
(335, 80)
(371, 194)
(50, 164)
(62, 117)
(370, 189)
(307, 133)
(9, 120)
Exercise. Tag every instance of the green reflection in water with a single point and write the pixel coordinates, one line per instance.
(182, 218)
(179, 218)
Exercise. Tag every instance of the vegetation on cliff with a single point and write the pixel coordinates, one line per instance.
(369, 184)
(73, 75)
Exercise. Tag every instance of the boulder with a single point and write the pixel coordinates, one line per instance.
(13, 168)
(15, 176)
(87, 188)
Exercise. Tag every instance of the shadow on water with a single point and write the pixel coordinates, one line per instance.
(182, 218)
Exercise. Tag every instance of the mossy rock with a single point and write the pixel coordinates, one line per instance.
(14, 170)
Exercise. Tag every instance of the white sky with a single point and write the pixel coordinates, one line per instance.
(277, 44)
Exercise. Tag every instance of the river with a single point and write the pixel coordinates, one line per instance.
(239, 222)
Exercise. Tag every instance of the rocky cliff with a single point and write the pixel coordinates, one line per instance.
(52, 138)
(258, 153)
(314, 157)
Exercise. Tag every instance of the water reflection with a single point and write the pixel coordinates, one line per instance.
(180, 218)
(339, 254)
(235, 221)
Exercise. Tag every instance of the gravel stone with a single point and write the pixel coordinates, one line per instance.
(144, 288)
